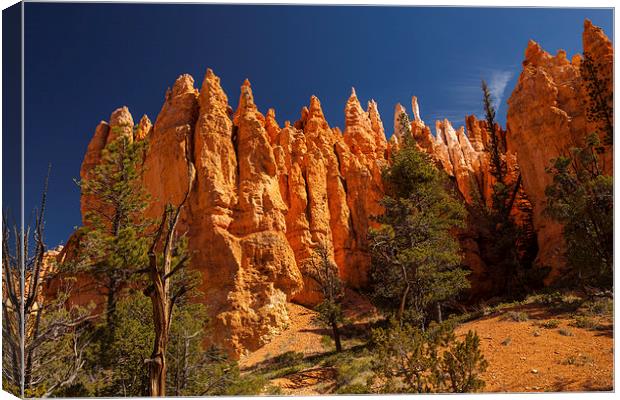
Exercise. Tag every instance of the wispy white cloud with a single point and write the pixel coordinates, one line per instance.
(497, 86)
(463, 93)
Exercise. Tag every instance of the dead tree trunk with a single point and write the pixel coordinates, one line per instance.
(159, 295)
(25, 274)
(162, 297)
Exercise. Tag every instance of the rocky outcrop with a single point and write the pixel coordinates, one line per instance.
(546, 116)
(361, 163)
(265, 196)
(268, 194)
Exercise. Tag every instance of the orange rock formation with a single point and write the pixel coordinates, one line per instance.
(546, 116)
(266, 195)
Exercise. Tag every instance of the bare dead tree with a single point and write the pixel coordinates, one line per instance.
(183, 368)
(12, 317)
(27, 326)
(163, 295)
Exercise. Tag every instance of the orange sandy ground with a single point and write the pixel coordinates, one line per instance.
(532, 363)
(527, 363)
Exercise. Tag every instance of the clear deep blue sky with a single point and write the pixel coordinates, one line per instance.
(85, 60)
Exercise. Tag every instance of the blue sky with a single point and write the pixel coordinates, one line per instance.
(85, 60)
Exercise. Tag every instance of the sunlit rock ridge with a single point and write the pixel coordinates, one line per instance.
(268, 192)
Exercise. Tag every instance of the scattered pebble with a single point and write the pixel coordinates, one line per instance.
(534, 371)
(523, 358)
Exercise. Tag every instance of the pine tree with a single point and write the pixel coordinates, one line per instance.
(498, 163)
(600, 99)
(192, 369)
(506, 243)
(415, 256)
(325, 273)
(114, 241)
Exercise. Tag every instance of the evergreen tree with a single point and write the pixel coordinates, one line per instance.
(581, 198)
(600, 99)
(126, 374)
(506, 245)
(415, 257)
(114, 242)
(192, 370)
(325, 273)
(498, 163)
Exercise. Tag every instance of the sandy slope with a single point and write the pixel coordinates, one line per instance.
(522, 356)
(548, 362)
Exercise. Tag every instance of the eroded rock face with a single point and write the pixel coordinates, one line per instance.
(361, 167)
(266, 197)
(546, 116)
(266, 194)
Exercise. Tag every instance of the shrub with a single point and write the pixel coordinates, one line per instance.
(579, 360)
(584, 322)
(598, 307)
(550, 324)
(350, 370)
(463, 364)
(248, 385)
(517, 316)
(408, 360)
(327, 342)
(550, 299)
(557, 301)
(274, 390)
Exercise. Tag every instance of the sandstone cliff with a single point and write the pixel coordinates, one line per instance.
(267, 194)
(265, 197)
(546, 116)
